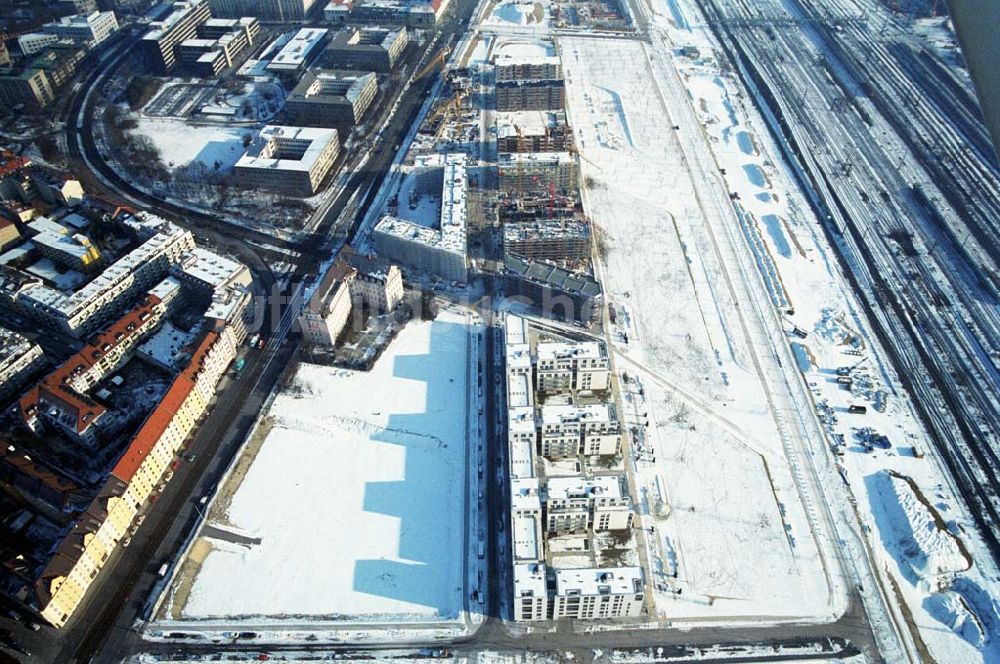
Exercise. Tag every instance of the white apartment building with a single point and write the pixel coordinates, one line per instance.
(18, 358)
(587, 594)
(442, 251)
(34, 42)
(599, 503)
(206, 272)
(531, 597)
(570, 430)
(564, 367)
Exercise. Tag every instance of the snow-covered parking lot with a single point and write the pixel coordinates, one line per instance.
(353, 508)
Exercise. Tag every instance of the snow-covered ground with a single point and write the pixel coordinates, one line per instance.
(730, 503)
(355, 495)
(518, 12)
(919, 529)
(181, 143)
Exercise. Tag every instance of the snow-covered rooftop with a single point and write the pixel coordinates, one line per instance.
(527, 543)
(554, 350)
(572, 413)
(602, 486)
(529, 580)
(275, 143)
(599, 581)
(298, 50)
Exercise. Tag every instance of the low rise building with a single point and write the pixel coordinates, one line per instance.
(367, 49)
(330, 98)
(299, 53)
(550, 239)
(442, 251)
(288, 160)
(19, 358)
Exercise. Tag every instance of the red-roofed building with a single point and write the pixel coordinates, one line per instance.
(61, 399)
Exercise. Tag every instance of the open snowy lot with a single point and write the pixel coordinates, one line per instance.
(353, 509)
(181, 143)
(932, 557)
(729, 516)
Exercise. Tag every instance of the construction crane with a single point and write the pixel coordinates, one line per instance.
(434, 62)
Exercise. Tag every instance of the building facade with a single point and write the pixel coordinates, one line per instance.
(329, 98)
(367, 49)
(19, 358)
(270, 10)
(288, 160)
(161, 42)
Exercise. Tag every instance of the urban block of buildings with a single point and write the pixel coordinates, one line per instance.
(22, 181)
(552, 506)
(352, 281)
(82, 514)
(270, 10)
(288, 160)
(410, 13)
(34, 84)
(366, 48)
(330, 98)
(441, 251)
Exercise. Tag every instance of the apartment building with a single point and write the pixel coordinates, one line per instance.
(205, 273)
(549, 239)
(537, 172)
(289, 160)
(588, 594)
(64, 582)
(161, 42)
(19, 358)
(367, 49)
(270, 10)
(442, 251)
(63, 247)
(554, 290)
(8, 234)
(329, 98)
(89, 308)
(525, 67)
(572, 366)
(570, 430)
(60, 399)
(531, 95)
(599, 503)
(353, 280)
(533, 131)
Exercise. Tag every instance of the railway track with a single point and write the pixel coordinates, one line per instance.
(935, 317)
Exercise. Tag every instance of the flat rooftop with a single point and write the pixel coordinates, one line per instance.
(299, 49)
(528, 123)
(558, 350)
(565, 413)
(602, 486)
(519, 390)
(287, 148)
(529, 580)
(599, 581)
(331, 86)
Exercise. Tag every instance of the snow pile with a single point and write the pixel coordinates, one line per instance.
(914, 535)
(950, 609)
(519, 13)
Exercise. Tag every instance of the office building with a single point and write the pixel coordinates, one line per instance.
(288, 160)
(269, 10)
(366, 49)
(298, 53)
(410, 13)
(90, 29)
(441, 251)
(218, 45)
(25, 87)
(328, 98)
(161, 42)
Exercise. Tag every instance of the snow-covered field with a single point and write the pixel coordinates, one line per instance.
(356, 496)
(920, 530)
(515, 12)
(181, 143)
(731, 504)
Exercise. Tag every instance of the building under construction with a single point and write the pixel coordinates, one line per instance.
(533, 131)
(550, 239)
(538, 172)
